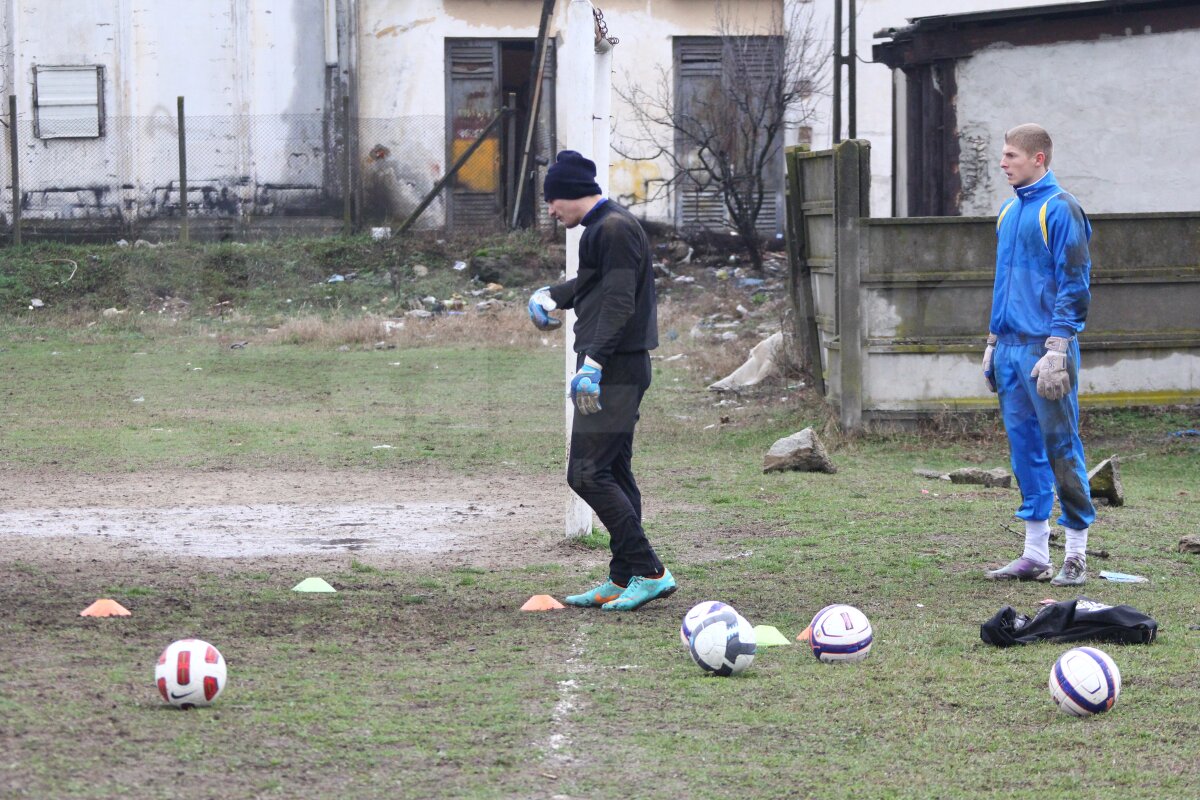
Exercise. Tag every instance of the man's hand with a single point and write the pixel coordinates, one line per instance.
(540, 303)
(989, 352)
(1053, 380)
(585, 387)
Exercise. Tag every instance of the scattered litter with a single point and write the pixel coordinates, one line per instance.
(419, 313)
(383, 447)
(741, 309)
(1122, 577)
(238, 345)
(684, 279)
(675, 357)
(122, 243)
(459, 266)
(709, 427)
(750, 283)
(379, 234)
(760, 366)
(1189, 433)
(36, 303)
(420, 270)
(920, 605)
(139, 400)
(335, 278)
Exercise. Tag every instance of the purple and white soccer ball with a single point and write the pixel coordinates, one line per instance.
(1085, 681)
(840, 634)
(723, 643)
(694, 615)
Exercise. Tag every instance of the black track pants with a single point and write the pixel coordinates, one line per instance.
(600, 466)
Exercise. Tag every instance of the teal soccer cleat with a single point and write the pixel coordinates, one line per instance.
(641, 591)
(597, 597)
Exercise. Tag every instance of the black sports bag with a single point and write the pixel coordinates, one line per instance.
(1070, 621)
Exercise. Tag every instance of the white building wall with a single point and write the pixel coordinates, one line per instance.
(1124, 138)
(875, 82)
(228, 59)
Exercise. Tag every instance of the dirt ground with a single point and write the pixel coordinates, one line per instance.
(301, 519)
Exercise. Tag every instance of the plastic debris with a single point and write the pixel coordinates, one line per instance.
(1122, 577)
(760, 366)
(335, 278)
(459, 266)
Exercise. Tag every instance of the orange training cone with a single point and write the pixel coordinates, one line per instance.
(105, 608)
(541, 602)
(805, 635)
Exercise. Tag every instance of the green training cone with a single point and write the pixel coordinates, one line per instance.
(769, 636)
(313, 585)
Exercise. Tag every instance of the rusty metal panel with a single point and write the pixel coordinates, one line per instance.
(472, 98)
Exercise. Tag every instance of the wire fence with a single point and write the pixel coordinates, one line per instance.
(137, 177)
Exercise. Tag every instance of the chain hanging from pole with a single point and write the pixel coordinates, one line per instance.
(602, 28)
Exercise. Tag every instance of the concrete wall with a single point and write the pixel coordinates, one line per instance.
(252, 73)
(1112, 106)
(902, 304)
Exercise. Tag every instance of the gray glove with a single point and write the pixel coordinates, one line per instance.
(989, 374)
(1053, 380)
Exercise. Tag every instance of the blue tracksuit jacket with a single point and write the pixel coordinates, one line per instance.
(1043, 270)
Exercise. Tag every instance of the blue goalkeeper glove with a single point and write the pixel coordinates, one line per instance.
(585, 387)
(540, 303)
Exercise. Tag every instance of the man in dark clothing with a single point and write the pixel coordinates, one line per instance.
(615, 328)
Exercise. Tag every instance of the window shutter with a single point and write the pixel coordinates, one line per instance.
(67, 101)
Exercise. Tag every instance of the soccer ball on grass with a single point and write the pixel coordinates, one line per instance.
(190, 673)
(723, 643)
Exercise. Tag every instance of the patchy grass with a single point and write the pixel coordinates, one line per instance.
(427, 682)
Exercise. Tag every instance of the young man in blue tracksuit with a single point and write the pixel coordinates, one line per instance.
(1039, 305)
(616, 326)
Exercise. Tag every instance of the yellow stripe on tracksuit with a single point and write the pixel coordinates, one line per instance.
(1004, 211)
(1042, 219)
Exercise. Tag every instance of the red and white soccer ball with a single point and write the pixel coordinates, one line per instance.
(840, 634)
(1085, 681)
(190, 673)
(693, 617)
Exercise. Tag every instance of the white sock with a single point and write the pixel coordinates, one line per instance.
(1037, 541)
(1077, 543)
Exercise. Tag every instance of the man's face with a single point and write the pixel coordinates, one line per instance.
(1020, 168)
(569, 212)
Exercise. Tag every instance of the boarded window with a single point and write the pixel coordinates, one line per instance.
(68, 102)
(712, 107)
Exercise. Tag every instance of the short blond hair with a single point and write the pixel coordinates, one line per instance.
(1031, 139)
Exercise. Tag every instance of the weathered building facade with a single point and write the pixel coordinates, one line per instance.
(1113, 82)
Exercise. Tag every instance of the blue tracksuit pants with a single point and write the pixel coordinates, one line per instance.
(1043, 435)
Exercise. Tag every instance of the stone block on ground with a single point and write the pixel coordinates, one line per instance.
(998, 477)
(1105, 481)
(802, 451)
(1190, 544)
(934, 474)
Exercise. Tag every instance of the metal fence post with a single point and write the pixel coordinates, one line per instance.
(183, 200)
(15, 168)
(347, 206)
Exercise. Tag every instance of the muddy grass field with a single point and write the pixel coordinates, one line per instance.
(196, 484)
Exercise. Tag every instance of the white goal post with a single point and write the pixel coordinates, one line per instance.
(585, 73)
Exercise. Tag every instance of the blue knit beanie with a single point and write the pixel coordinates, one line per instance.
(570, 177)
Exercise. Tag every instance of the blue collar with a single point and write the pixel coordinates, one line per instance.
(1042, 187)
(591, 216)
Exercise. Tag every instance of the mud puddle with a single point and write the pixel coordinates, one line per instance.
(236, 531)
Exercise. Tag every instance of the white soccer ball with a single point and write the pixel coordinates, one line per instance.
(1084, 681)
(723, 643)
(189, 673)
(840, 634)
(694, 615)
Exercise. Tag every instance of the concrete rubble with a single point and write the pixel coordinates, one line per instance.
(1105, 482)
(802, 451)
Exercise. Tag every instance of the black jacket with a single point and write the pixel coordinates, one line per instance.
(613, 294)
